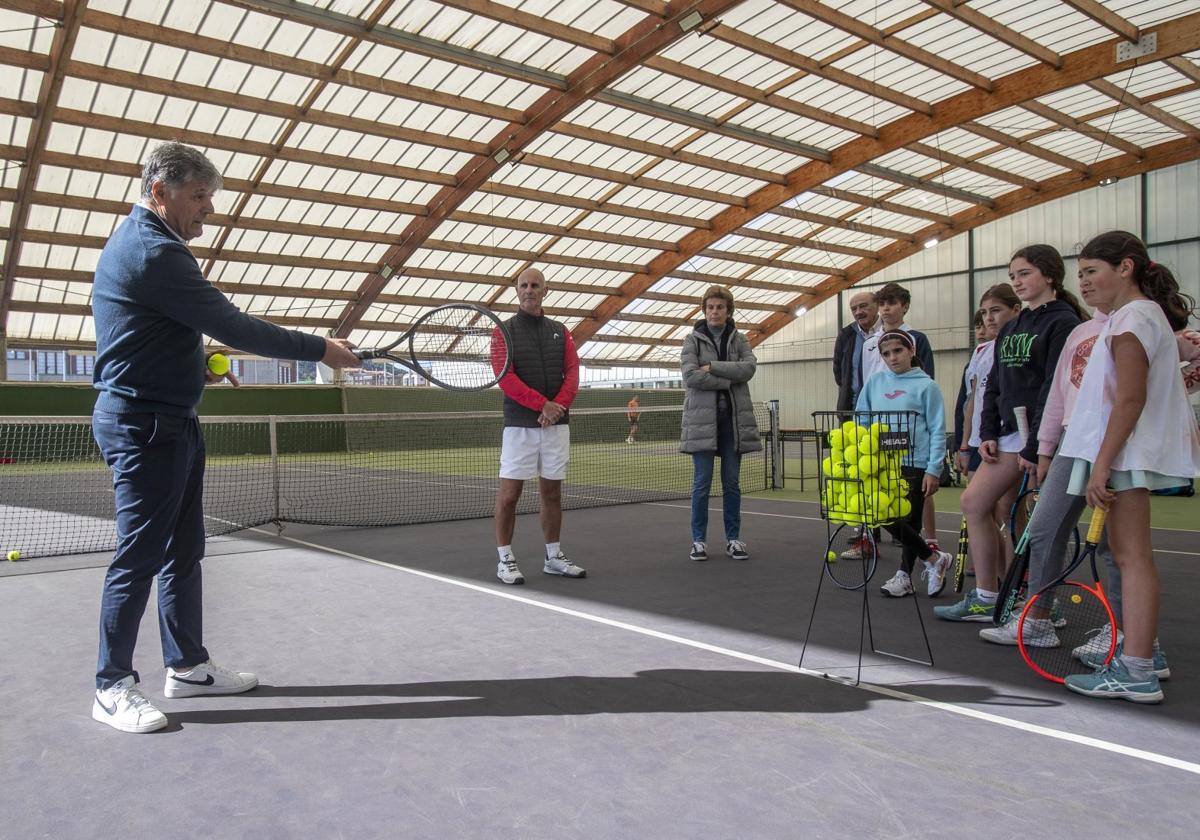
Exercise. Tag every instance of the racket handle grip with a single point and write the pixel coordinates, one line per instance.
(1096, 528)
(1022, 415)
(367, 354)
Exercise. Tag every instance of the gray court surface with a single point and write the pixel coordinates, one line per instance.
(406, 693)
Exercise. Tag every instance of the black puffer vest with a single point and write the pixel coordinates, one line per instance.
(538, 346)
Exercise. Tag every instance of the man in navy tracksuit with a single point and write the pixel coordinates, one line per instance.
(152, 305)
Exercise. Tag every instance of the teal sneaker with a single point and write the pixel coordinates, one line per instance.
(970, 608)
(1093, 659)
(1114, 680)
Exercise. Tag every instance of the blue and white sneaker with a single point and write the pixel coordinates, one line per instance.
(1095, 659)
(970, 608)
(1115, 681)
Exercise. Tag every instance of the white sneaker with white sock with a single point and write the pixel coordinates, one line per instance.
(508, 571)
(899, 585)
(124, 707)
(207, 678)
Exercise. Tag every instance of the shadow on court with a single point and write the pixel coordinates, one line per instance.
(670, 691)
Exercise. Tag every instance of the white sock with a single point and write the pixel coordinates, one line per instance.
(505, 552)
(553, 549)
(1140, 668)
(986, 596)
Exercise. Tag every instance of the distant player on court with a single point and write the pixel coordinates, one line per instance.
(633, 415)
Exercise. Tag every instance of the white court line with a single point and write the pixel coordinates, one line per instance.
(1082, 740)
(940, 530)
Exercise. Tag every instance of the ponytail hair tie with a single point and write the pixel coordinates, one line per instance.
(1153, 264)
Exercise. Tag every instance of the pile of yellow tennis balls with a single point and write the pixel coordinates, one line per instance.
(860, 483)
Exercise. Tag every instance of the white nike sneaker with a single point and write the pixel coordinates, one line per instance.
(124, 707)
(207, 678)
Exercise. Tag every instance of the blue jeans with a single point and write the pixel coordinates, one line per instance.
(157, 462)
(731, 490)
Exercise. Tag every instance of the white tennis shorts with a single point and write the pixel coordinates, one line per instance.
(1010, 443)
(530, 453)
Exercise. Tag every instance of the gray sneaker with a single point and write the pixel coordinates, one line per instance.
(737, 550)
(560, 565)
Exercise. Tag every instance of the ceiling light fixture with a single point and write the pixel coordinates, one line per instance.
(929, 243)
(1109, 181)
(800, 310)
(690, 21)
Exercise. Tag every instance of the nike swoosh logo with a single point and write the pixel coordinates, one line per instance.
(206, 681)
(112, 710)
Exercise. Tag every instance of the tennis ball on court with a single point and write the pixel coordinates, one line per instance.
(218, 363)
(14, 555)
(831, 557)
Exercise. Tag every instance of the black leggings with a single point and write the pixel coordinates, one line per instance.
(908, 529)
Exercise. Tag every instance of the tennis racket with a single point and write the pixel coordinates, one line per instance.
(960, 560)
(1083, 608)
(1013, 585)
(459, 347)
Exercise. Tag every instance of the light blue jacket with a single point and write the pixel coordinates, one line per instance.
(912, 391)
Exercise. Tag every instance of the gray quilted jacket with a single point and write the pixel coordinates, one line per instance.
(700, 400)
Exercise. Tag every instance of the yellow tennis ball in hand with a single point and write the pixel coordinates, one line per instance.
(218, 363)
(14, 555)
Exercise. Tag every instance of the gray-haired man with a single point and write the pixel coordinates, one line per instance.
(152, 307)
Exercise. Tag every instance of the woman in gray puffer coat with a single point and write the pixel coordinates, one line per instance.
(718, 418)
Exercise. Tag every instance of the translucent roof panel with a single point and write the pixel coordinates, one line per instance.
(374, 167)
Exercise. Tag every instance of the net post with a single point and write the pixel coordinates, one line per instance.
(271, 432)
(776, 445)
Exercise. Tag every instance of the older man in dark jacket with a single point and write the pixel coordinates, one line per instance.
(847, 350)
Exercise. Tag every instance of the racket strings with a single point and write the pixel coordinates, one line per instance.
(1057, 622)
(457, 347)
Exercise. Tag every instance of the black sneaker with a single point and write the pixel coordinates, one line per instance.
(737, 550)
(699, 551)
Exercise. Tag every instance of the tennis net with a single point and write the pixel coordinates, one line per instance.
(353, 470)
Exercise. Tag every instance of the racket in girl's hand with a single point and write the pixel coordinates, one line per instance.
(1079, 608)
(960, 560)
(459, 346)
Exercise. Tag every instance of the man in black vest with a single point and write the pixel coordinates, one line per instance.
(538, 390)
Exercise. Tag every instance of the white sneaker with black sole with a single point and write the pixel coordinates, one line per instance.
(508, 572)
(899, 585)
(699, 551)
(560, 565)
(124, 707)
(207, 678)
(736, 549)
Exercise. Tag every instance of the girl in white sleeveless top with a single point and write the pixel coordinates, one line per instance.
(1132, 431)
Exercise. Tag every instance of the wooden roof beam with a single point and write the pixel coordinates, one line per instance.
(1174, 37)
(970, 165)
(819, 11)
(992, 27)
(844, 224)
(851, 197)
(61, 45)
(1142, 107)
(1106, 18)
(1067, 121)
(1125, 166)
(1032, 149)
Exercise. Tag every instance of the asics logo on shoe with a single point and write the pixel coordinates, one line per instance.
(981, 609)
(112, 710)
(206, 681)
